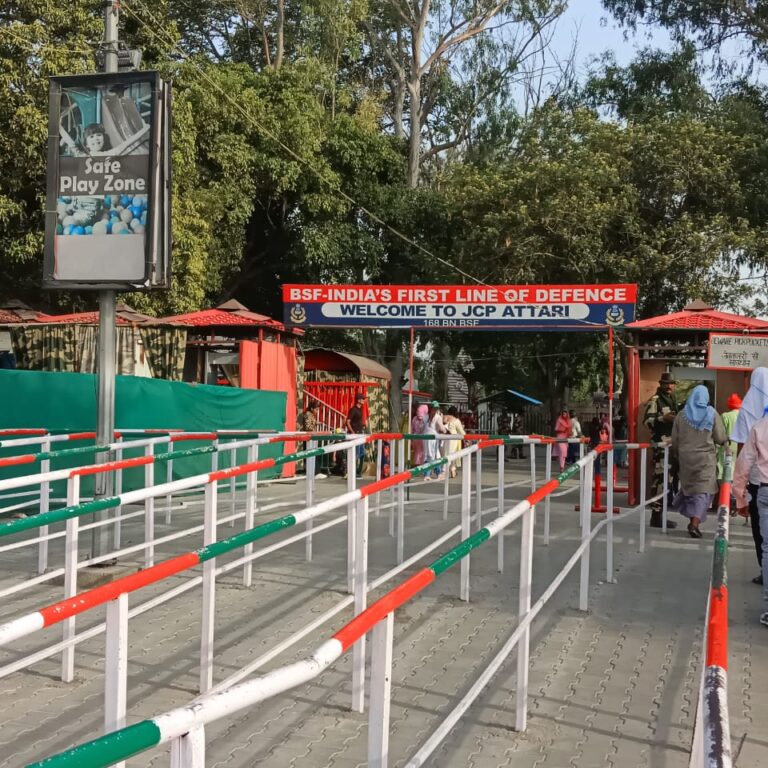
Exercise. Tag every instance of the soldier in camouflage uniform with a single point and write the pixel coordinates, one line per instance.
(659, 415)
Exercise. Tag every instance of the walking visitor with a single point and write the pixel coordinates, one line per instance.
(453, 424)
(419, 427)
(695, 432)
(572, 454)
(356, 423)
(563, 429)
(435, 427)
(729, 422)
(751, 411)
(751, 471)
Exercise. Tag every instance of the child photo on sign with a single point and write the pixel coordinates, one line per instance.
(104, 122)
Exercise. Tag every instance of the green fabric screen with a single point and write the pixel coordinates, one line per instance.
(67, 402)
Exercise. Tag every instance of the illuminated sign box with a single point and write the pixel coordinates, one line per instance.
(107, 217)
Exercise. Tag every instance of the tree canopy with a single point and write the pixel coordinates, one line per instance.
(310, 143)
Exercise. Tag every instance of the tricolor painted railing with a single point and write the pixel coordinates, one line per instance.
(116, 593)
(184, 727)
(75, 510)
(72, 476)
(711, 745)
(19, 439)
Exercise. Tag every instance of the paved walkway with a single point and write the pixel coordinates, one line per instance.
(613, 687)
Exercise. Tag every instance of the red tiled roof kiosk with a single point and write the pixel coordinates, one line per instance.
(678, 342)
(232, 345)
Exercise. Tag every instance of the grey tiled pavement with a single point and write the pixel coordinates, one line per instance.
(616, 686)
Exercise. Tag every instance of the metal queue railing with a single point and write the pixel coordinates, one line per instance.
(711, 744)
(184, 727)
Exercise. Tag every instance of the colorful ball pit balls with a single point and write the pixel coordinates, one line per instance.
(100, 228)
(119, 228)
(78, 230)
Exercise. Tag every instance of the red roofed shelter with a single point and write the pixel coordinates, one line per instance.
(678, 343)
(146, 346)
(232, 346)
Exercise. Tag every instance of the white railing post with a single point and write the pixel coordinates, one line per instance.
(251, 484)
(381, 691)
(392, 468)
(401, 507)
(360, 591)
(532, 446)
(116, 666)
(665, 489)
(188, 751)
(215, 456)
(547, 478)
(309, 491)
(232, 488)
(446, 487)
(643, 481)
(71, 546)
(168, 479)
(500, 509)
(149, 510)
(45, 505)
(394, 463)
(523, 606)
(117, 512)
(466, 504)
(479, 488)
(379, 458)
(609, 523)
(586, 526)
(351, 485)
(209, 591)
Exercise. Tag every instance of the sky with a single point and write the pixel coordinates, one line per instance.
(595, 31)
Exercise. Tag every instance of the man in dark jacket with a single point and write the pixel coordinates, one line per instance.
(659, 416)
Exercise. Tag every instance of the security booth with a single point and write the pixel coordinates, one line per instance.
(495, 412)
(333, 379)
(679, 343)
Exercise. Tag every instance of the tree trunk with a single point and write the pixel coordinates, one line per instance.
(414, 139)
(396, 366)
(280, 45)
(441, 367)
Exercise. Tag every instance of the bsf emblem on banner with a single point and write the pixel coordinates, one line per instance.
(614, 316)
(298, 314)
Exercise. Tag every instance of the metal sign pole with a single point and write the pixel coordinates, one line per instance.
(105, 419)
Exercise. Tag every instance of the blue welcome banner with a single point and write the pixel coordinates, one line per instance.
(496, 307)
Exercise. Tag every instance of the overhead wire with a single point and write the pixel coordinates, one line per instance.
(269, 134)
(35, 46)
(175, 47)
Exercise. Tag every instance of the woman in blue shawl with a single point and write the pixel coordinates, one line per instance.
(695, 432)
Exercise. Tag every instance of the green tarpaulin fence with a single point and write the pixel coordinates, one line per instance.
(67, 402)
